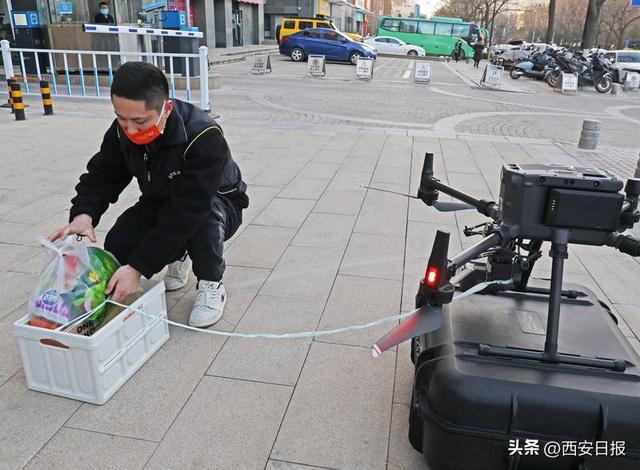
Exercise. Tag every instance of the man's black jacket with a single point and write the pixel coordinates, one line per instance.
(102, 19)
(183, 170)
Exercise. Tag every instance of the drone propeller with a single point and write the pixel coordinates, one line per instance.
(424, 320)
(440, 206)
(451, 206)
(427, 318)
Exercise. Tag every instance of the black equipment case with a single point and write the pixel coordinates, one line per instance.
(467, 406)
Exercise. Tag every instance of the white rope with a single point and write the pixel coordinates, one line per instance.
(302, 334)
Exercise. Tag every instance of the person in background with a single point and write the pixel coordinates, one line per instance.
(103, 16)
(457, 50)
(478, 49)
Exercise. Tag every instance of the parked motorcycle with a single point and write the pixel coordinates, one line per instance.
(592, 71)
(533, 67)
(497, 58)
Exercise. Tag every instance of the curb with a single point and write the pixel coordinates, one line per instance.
(241, 56)
(230, 60)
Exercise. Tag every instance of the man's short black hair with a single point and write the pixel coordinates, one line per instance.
(141, 81)
(103, 3)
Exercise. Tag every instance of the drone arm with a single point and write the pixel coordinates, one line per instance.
(474, 251)
(429, 187)
(629, 214)
(488, 208)
(627, 244)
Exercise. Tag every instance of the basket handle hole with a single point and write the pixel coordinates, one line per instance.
(54, 343)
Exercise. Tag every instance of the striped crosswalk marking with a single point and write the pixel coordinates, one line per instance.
(407, 73)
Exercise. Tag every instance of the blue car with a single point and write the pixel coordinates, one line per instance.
(323, 41)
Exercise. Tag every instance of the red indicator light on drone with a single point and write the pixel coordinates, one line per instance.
(432, 276)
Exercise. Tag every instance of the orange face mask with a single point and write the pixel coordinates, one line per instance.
(148, 135)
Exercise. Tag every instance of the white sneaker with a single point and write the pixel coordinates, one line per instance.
(209, 304)
(178, 274)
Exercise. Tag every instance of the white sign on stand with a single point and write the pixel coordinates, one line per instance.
(364, 68)
(422, 71)
(316, 66)
(569, 82)
(261, 63)
(492, 76)
(632, 81)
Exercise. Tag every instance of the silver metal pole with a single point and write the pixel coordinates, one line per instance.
(187, 5)
(6, 59)
(205, 105)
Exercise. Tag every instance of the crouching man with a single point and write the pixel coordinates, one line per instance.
(192, 193)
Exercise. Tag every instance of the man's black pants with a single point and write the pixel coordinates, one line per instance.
(205, 247)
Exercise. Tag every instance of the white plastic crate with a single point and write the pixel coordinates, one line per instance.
(93, 368)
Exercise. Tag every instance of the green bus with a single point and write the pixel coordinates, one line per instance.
(437, 35)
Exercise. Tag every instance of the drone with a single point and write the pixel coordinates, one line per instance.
(538, 203)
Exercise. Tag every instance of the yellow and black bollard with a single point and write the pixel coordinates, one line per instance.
(18, 105)
(10, 101)
(47, 102)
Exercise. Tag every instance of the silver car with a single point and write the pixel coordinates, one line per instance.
(623, 62)
(391, 45)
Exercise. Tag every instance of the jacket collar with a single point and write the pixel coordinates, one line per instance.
(175, 132)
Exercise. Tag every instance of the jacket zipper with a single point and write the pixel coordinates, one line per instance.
(146, 166)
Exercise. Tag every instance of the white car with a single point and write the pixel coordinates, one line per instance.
(623, 63)
(389, 45)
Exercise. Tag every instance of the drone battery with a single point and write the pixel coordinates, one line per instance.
(587, 201)
(592, 210)
(476, 411)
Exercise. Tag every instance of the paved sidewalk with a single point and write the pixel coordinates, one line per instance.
(316, 251)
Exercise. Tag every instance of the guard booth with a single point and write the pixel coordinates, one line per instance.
(177, 20)
(30, 31)
(61, 27)
(60, 24)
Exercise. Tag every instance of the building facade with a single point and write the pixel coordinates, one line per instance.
(228, 23)
(224, 23)
(352, 16)
(348, 15)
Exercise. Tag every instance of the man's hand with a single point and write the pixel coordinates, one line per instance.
(81, 225)
(123, 283)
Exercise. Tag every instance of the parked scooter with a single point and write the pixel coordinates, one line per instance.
(497, 58)
(592, 71)
(533, 67)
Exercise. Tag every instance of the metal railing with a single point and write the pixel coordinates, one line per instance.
(55, 64)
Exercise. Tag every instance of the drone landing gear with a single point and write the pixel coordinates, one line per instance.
(550, 354)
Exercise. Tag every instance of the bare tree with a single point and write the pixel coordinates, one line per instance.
(592, 20)
(551, 22)
(492, 9)
(532, 22)
(467, 10)
(617, 17)
(568, 22)
(480, 11)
